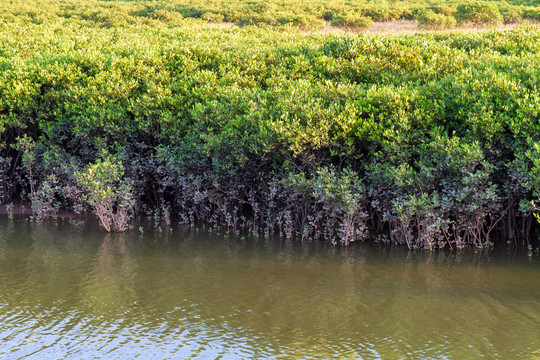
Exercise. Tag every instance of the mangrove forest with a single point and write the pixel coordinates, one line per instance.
(164, 110)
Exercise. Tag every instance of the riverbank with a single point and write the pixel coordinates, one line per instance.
(24, 211)
(430, 138)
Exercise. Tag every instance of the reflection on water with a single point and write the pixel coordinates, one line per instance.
(76, 292)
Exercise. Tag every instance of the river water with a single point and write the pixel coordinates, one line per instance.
(73, 292)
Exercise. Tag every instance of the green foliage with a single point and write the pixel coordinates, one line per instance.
(511, 14)
(44, 201)
(27, 147)
(428, 19)
(271, 130)
(6, 185)
(107, 192)
(335, 197)
(479, 13)
(532, 14)
(305, 14)
(10, 211)
(352, 21)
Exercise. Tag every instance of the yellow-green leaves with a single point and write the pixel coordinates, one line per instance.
(107, 192)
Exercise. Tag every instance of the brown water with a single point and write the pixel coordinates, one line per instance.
(72, 292)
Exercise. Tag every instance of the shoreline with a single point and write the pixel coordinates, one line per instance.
(25, 210)
(307, 137)
(142, 223)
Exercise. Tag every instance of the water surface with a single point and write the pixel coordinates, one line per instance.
(72, 292)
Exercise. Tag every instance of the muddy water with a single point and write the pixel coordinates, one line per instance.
(72, 292)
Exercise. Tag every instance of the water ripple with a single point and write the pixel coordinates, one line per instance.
(97, 296)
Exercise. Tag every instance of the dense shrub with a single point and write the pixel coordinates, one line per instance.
(306, 14)
(443, 9)
(427, 19)
(328, 206)
(352, 21)
(428, 138)
(511, 14)
(533, 14)
(479, 14)
(107, 192)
